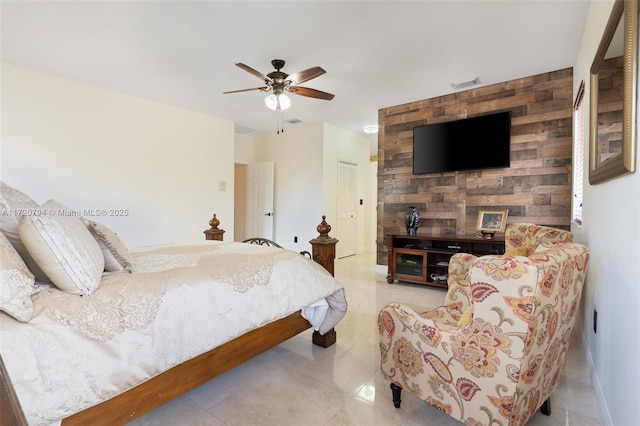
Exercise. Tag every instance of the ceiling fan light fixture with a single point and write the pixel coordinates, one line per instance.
(277, 102)
(277, 82)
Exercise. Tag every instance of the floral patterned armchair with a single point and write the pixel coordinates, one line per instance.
(519, 239)
(499, 358)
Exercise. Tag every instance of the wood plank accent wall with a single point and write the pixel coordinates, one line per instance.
(610, 108)
(536, 188)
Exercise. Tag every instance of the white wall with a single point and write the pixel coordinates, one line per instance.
(342, 145)
(244, 149)
(298, 181)
(306, 169)
(91, 148)
(611, 229)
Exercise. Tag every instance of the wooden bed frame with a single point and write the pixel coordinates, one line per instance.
(182, 378)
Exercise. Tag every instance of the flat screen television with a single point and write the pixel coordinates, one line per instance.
(470, 144)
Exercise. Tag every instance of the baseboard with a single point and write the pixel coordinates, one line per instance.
(605, 417)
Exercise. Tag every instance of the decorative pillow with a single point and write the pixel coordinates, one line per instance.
(518, 251)
(15, 204)
(116, 255)
(16, 283)
(64, 249)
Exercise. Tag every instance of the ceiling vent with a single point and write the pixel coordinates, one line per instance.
(294, 121)
(466, 83)
(243, 130)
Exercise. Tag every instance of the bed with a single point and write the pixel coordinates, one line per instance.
(175, 317)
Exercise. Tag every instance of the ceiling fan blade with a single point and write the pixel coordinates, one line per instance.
(245, 90)
(306, 75)
(258, 74)
(311, 93)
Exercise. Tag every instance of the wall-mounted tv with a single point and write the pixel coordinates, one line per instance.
(470, 144)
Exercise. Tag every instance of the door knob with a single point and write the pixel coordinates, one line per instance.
(268, 214)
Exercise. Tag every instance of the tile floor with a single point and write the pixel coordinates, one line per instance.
(297, 383)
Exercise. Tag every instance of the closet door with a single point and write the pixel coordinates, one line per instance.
(347, 226)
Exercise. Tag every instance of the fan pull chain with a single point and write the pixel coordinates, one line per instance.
(280, 125)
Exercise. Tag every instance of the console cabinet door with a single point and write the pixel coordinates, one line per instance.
(410, 265)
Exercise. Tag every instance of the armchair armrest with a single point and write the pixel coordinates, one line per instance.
(428, 330)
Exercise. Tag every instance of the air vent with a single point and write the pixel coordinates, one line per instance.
(466, 83)
(239, 128)
(294, 121)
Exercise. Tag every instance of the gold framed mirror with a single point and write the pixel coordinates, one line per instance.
(612, 132)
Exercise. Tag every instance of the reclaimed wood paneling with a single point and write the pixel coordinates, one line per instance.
(536, 188)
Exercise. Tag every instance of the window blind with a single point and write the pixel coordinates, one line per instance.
(578, 155)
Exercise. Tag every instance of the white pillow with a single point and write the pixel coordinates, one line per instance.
(15, 204)
(16, 283)
(116, 255)
(64, 249)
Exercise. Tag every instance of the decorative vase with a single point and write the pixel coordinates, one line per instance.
(412, 220)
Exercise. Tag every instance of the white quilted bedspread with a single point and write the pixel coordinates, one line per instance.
(183, 300)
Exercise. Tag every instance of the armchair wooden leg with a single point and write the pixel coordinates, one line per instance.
(396, 391)
(545, 408)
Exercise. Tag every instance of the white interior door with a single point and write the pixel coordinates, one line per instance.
(347, 227)
(260, 200)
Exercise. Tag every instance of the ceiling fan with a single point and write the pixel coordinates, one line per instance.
(278, 82)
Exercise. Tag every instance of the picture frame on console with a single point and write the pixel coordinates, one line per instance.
(491, 222)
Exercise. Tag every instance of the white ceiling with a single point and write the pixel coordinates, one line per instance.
(376, 53)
